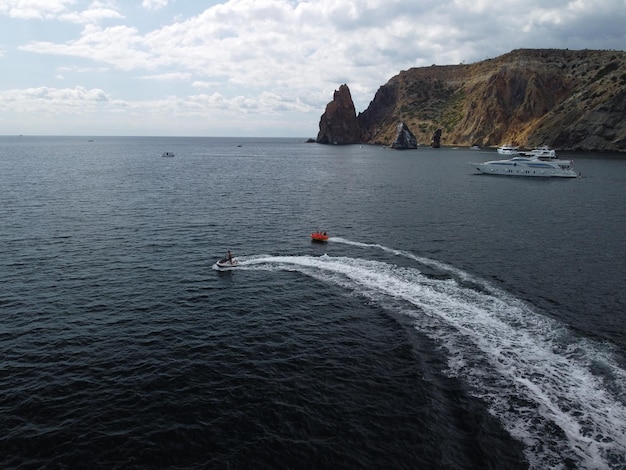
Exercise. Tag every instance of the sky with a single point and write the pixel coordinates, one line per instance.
(252, 68)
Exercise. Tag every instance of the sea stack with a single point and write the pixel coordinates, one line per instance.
(436, 143)
(405, 139)
(338, 124)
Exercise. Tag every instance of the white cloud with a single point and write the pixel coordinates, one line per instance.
(168, 76)
(203, 84)
(59, 10)
(34, 9)
(45, 99)
(95, 13)
(284, 56)
(154, 4)
(78, 99)
(117, 45)
(83, 70)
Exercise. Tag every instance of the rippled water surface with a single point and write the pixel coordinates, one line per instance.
(453, 320)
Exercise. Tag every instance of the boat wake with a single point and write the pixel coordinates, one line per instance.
(561, 395)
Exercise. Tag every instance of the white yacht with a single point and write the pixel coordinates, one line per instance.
(544, 151)
(529, 165)
(508, 149)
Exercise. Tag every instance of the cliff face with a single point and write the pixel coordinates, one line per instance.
(569, 100)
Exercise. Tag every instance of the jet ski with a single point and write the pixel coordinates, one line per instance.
(227, 263)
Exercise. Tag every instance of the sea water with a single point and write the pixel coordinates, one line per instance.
(453, 320)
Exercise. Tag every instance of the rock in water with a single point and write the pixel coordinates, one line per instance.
(436, 143)
(338, 124)
(404, 138)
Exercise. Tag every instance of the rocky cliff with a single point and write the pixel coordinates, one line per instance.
(338, 124)
(569, 100)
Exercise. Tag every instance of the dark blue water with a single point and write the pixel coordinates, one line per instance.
(453, 320)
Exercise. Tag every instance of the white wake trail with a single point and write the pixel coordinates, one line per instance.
(534, 374)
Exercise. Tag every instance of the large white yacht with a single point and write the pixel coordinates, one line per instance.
(529, 164)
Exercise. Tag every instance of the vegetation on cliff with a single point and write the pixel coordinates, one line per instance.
(569, 100)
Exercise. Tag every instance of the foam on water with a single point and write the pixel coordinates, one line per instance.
(537, 377)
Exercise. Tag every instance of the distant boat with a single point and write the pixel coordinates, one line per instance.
(167, 154)
(509, 149)
(543, 151)
(475, 147)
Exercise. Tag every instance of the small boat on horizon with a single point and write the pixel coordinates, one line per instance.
(509, 149)
(543, 151)
(167, 154)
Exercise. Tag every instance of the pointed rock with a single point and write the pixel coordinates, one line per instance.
(338, 124)
(436, 142)
(405, 139)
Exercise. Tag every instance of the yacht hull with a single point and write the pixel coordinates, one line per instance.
(539, 170)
